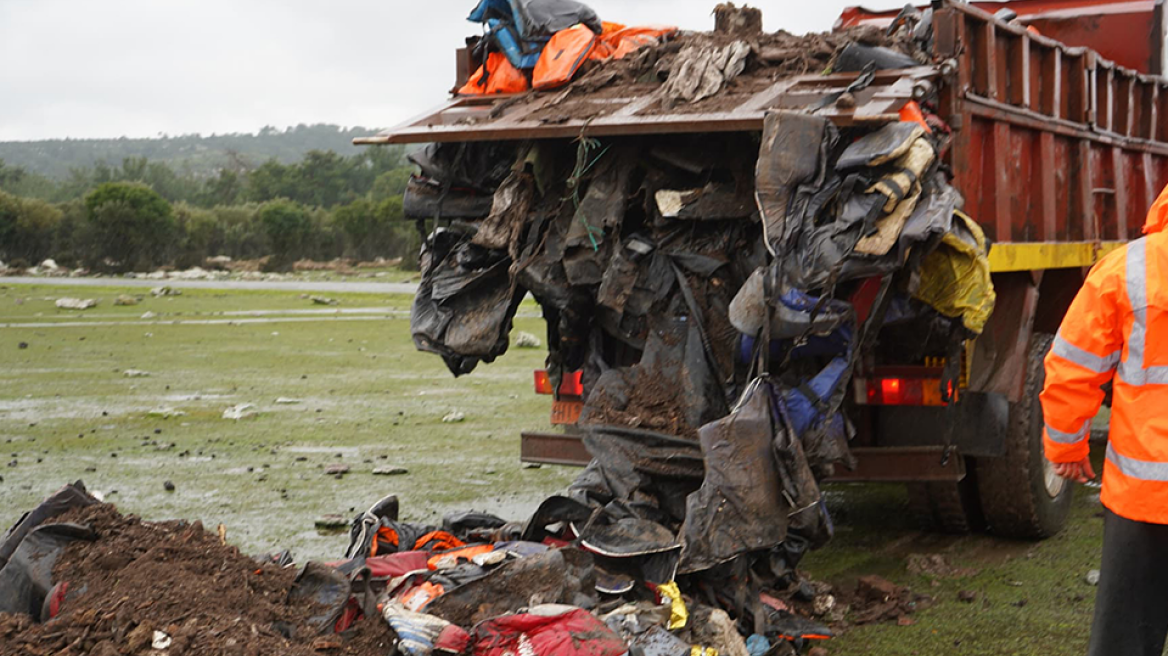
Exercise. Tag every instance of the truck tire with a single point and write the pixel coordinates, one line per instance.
(1020, 495)
(947, 507)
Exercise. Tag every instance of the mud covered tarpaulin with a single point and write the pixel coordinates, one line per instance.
(740, 506)
(31, 549)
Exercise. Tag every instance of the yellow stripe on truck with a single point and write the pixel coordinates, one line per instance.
(1048, 255)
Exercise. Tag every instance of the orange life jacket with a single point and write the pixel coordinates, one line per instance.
(562, 56)
(502, 77)
(1117, 329)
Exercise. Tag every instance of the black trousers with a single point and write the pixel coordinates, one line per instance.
(1131, 605)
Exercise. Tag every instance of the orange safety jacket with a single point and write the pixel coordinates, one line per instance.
(1117, 329)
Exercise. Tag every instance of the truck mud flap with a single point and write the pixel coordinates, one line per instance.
(977, 425)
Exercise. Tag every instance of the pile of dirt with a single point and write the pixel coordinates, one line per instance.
(175, 577)
(876, 600)
(773, 57)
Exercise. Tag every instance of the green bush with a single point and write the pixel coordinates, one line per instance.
(288, 228)
(28, 228)
(130, 227)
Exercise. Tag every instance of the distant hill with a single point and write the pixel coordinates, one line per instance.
(194, 154)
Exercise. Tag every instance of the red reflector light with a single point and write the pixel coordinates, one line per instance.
(543, 384)
(569, 386)
(890, 389)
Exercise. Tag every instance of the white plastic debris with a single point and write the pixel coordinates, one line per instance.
(490, 558)
(283, 400)
(241, 411)
(161, 641)
(1093, 577)
(76, 303)
(166, 291)
(165, 413)
(454, 417)
(148, 315)
(136, 373)
(526, 340)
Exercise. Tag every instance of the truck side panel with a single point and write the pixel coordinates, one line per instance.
(1052, 144)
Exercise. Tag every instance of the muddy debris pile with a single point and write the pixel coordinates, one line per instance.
(708, 297)
(685, 72)
(77, 577)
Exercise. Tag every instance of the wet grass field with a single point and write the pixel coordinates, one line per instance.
(366, 399)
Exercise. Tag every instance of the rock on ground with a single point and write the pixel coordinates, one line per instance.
(241, 411)
(527, 340)
(76, 303)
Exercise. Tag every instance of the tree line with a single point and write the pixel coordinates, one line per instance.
(196, 154)
(144, 214)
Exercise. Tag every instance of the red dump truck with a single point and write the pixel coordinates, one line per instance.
(1059, 125)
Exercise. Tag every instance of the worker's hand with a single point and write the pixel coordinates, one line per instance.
(1080, 472)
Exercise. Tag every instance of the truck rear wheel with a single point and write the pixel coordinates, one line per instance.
(1020, 494)
(947, 507)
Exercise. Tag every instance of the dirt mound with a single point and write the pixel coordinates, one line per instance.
(178, 578)
(772, 57)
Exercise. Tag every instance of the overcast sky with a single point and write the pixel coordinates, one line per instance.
(138, 68)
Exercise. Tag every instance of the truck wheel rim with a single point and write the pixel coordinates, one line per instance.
(1054, 482)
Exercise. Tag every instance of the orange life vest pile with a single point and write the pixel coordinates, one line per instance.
(561, 58)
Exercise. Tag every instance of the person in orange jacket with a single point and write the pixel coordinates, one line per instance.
(1116, 330)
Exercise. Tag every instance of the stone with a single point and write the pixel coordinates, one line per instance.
(967, 596)
(124, 300)
(336, 470)
(455, 417)
(76, 303)
(331, 521)
(323, 300)
(165, 291)
(876, 588)
(527, 340)
(136, 373)
(240, 411)
(390, 471)
(168, 486)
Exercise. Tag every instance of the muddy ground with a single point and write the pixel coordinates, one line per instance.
(366, 399)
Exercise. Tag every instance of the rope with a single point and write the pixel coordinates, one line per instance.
(583, 166)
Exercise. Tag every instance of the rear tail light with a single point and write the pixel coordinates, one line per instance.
(899, 391)
(569, 386)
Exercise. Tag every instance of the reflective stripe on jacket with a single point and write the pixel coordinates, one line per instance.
(1117, 329)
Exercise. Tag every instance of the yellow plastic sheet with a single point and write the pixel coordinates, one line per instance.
(955, 277)
(678, 614)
